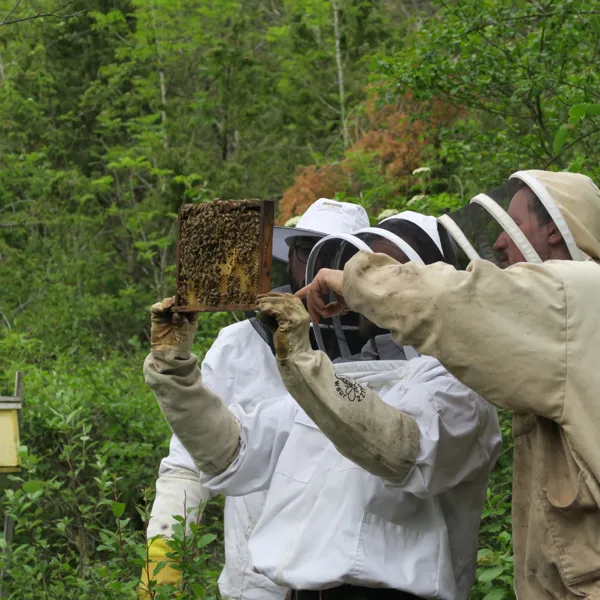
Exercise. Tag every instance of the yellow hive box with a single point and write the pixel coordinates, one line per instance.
(9, 429)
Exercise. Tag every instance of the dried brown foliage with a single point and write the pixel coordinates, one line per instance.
(394, 135)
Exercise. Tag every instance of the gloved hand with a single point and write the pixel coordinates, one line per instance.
(372, 434)
(177, 493)
(196, 415)
(157, 553)
(291, 337)
(172, 334)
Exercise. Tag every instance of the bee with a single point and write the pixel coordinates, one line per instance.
(219, 253)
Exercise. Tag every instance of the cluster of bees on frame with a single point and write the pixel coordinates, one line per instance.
(219, 254)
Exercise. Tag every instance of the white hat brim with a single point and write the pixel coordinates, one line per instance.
(283, 236)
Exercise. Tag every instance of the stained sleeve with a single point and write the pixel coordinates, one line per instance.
(501, 332)
(363, 428)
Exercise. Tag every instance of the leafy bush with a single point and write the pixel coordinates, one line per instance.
(93, 437)
(495, 561)
(113, 118)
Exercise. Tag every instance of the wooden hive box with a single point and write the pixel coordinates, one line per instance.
(10, 407)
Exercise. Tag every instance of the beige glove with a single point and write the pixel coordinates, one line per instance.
(197, 416)
(293, 323)
(172, 334)
(379, 438)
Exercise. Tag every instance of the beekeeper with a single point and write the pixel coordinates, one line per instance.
(336, 524)
(241, 368)
(527, 338)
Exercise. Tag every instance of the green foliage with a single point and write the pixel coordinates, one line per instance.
(90, 553)
(94, 438)
(576, 114)
(515, 69)
(494, 559)
(115, 117)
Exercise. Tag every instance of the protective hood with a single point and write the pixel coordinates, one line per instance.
(428, 224)
(476, 227)
(334, 251)
(571, 199)
(573, 202)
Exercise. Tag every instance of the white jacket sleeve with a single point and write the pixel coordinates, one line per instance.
(459, 433)
(264, 431)
(178, 488)
(241, 369)
(226, 368)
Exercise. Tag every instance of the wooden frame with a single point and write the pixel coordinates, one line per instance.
(265, 257)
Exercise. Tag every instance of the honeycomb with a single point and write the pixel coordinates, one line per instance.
(219, 254)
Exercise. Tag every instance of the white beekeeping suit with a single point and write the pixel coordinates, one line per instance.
(328, 522)
(407, 522)
(240, 368)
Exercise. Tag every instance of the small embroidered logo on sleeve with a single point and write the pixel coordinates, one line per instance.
(348, 389)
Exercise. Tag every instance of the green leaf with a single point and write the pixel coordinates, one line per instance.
(197, 589)
(142, 552)
(159, 567)
(495, 595)
(32, 486)
(561, 137)
(504, 537)
(130, 585)
(205, 540)
(578, 111)
(490, 574)
(118, 509)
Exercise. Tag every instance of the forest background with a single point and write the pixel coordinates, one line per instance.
(115, 112)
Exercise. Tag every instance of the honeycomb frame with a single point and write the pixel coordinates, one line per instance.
(218, 279)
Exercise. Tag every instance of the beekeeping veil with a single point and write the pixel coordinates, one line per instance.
(332, 252)
(476, 227)
(573, 203)
(571, 200)
(415, 235)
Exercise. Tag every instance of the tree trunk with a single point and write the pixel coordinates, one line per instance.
(340, 70)
(161, 80)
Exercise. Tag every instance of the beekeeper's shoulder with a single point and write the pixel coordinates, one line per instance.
(580, 276)
(443, 390)
(235, 341)
(581, 289)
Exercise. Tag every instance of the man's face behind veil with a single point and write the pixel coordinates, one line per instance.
(297, 259)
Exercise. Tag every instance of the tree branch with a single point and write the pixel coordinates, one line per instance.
(55, 13)
(524, 18)
(569, 146)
